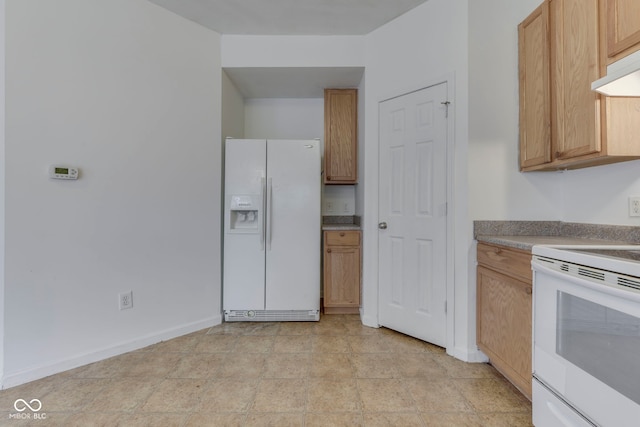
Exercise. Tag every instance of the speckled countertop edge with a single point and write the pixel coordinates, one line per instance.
(525, 234)
(343, 222)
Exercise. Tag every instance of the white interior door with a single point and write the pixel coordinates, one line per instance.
(413, 208)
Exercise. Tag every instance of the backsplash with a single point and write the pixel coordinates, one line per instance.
(339, 200)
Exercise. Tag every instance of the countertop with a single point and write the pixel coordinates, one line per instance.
(337, 223)
(527, 242)
(525, 234)
(339, 227)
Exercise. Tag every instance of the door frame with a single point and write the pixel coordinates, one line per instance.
(449, 80)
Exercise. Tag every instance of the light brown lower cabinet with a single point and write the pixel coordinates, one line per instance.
(504, 304)
(341, 272)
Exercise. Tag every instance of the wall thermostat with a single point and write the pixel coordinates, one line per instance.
(63, 172)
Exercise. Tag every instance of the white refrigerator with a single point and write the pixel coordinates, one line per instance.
(272, 223)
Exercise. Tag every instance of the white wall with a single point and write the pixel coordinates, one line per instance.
(232, 109)
(497, 190)
(600, 195)
(2, 185)
(130, 94)
(362, 125)
(418, 49)
(284, 118)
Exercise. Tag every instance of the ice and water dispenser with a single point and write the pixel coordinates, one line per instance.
(244, 213)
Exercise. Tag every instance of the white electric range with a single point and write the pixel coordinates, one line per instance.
(586, 336)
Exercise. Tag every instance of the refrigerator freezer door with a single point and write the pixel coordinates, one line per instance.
(244, 250)
(293, 230)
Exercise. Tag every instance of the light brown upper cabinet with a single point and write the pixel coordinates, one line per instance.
(622, 29)
(340, 136)
(535, 95)
(563, 123)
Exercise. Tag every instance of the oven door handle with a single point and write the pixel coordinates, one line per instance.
(602, 287)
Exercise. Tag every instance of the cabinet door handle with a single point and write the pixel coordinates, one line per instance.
(269, 233)
(342, 234)
(328, 178)
(328, 250)
(529, 291)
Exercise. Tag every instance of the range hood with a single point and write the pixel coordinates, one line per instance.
(622, 79)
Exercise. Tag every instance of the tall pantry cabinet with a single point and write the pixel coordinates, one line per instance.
(342, 248)
(563, 123)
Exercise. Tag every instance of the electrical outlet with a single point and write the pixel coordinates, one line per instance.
(634, 206)
(329, 206)
(125, 300)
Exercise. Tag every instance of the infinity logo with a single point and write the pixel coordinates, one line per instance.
(35, 408)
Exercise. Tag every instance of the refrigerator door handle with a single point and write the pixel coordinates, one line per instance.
(263, 186)
(269, 213)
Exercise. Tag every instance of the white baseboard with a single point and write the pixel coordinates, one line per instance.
(370, 321)
(468, 355)
(58, 366)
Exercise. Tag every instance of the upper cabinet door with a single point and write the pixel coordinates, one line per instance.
(575, 63)
(623, 28)
(563, 123)
(341, 136)
(535, 96)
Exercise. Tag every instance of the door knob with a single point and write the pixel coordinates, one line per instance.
(382, 226)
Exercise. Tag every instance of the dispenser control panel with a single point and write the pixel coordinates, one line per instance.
(244, 213)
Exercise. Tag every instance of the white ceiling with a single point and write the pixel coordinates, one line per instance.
(290, 17)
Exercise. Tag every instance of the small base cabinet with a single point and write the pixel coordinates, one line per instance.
(342, 272)
(504, 305)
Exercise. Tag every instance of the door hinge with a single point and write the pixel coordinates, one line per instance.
(443, 210)
(446, 106)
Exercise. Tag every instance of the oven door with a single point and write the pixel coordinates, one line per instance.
(586, 346)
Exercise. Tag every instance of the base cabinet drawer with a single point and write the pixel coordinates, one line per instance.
(342, 238)
(508, 261)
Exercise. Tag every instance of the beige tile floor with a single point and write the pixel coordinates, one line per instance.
(335, 372)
